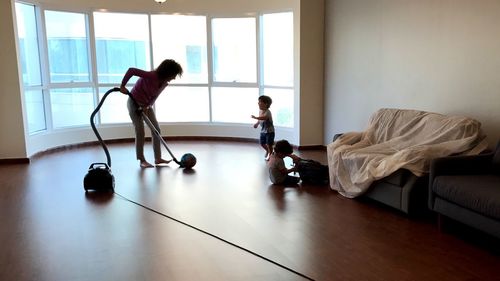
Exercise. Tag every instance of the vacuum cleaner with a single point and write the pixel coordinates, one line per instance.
(99, 176)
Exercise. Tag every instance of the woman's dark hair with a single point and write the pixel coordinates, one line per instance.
(168, 68)
(284, 147)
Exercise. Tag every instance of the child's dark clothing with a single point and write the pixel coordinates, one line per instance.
(313, 172)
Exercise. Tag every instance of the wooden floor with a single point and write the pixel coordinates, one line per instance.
(52, 230)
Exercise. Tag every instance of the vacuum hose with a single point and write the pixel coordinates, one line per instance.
(92, 124)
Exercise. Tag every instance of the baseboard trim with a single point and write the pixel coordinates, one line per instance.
(212, 138)
(10, 161)
(311, 147)
(127, 140)
(77, 145)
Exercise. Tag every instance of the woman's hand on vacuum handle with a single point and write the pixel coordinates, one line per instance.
(124, 90)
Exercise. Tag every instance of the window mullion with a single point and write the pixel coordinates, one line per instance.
(150, 45)
(210, 65)
(44, 66)
(259, 55)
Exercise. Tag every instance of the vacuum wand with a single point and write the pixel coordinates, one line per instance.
(153, 129)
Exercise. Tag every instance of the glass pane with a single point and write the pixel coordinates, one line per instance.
(282, 106)
(234, 105)
(67, 47)
(186, 44)
(278, 49)
(122, 41)
(28, 44)
(35, 112)
(183, 104)
(71, 107)
(114, 109)
(234, 50)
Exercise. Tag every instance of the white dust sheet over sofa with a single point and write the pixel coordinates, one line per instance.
(397, 138)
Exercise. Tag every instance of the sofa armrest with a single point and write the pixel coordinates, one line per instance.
(336, 136)
(458, 165)
(461, 165)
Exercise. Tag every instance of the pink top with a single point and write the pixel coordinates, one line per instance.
(147, 89)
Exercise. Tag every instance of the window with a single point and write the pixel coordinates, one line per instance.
(234, 104)
(183, 104)
(114, 110)
(282, 106)
(35, 111)
(71, 106)
(277, 70)
(184, 39)
(227, 63)
(30, 66)
(67, 47)
(278, 49)
(234, 50)
(122, 41)
(186, 44)
(28, 44)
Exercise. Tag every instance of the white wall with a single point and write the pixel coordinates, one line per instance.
(435, 55)
(311, 72)
(12, 140)
(14, 146)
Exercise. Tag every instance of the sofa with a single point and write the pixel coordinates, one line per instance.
(467, 189)
(389, 161)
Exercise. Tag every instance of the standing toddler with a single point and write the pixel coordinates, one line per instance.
(265, 120)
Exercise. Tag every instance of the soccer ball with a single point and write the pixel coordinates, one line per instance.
(188, 161)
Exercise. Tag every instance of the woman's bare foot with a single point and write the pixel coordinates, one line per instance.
(146, 164)
(162, 161)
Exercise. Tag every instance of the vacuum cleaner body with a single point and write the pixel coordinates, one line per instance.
(99, 178)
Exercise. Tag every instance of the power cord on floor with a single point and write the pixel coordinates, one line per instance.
(215, 236)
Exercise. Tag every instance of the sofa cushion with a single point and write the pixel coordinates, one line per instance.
(480, 193)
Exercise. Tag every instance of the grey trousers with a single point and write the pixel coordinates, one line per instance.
(140, 135)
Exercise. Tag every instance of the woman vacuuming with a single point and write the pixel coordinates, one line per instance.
(145, 92)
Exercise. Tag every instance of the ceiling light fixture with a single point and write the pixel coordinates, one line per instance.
(160, 1)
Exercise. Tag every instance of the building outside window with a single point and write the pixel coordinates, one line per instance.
(70, 93)
(67, 47)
